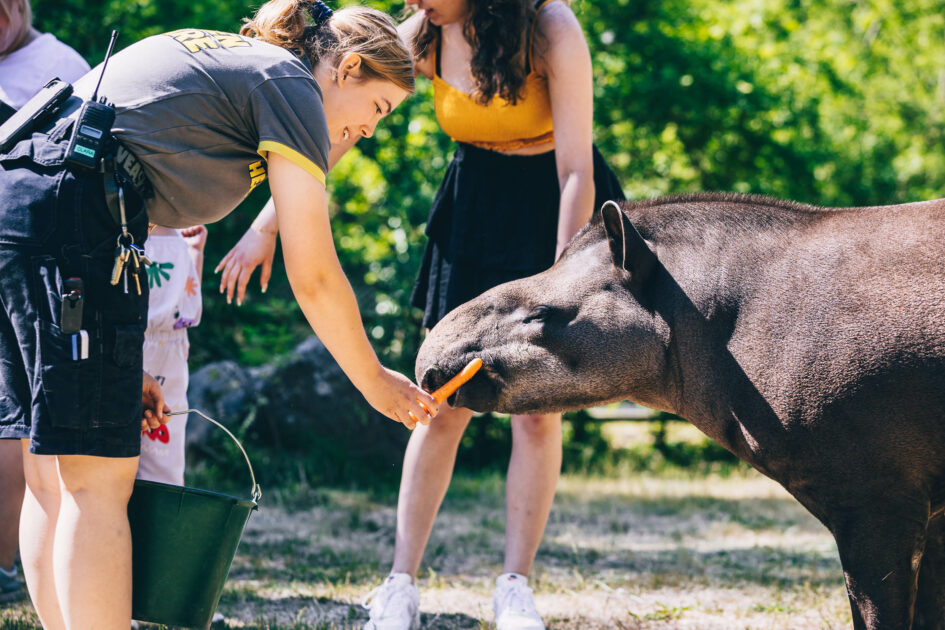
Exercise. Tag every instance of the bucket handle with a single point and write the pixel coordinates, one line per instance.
(257, 492)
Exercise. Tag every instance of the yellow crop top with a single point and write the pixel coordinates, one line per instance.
(498, 126)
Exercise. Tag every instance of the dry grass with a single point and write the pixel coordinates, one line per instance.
(646, 551)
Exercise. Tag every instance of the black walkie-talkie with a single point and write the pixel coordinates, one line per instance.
(93, 126)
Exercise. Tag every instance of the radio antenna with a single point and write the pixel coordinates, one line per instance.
(108, 54)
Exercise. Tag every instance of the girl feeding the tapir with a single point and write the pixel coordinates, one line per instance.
(201, 118)
(512, 85)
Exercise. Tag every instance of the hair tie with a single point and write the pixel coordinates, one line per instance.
(320, 12)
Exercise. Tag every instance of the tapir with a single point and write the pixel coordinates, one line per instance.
(810, 342)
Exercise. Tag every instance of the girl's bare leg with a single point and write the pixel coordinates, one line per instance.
(533, 474)
(428, 467)
(92, 554)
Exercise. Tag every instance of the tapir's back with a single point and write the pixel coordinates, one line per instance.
(783, 260)
(829, 329)
(851, 313)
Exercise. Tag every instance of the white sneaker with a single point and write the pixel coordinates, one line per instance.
(514, 606)
(394, 605)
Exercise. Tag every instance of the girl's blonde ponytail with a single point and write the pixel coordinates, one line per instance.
(324, 36)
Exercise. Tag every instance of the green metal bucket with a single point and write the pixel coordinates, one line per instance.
(183, 541)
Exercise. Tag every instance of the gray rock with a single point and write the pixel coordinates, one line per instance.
(225, 391)
(299, 405)
(307, 401)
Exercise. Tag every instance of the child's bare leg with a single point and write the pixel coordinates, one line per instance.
(92, 557)
(37, 534)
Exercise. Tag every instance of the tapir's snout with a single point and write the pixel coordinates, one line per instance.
(433, 378)
(479, 393)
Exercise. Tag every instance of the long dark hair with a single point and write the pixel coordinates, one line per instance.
(498, 31)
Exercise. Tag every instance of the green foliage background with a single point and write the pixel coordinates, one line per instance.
(831, 102)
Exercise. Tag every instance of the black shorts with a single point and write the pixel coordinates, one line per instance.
(54, 225)
(494, 220)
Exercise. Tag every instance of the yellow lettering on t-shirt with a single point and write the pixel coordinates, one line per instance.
(200, 43)
(229, 40)
(257, 173)
(196, 40)
(184, 34)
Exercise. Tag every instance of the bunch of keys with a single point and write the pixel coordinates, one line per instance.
(127, 252)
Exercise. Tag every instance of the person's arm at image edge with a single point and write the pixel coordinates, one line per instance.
(326, 297)
(408, 30)
(567, 63)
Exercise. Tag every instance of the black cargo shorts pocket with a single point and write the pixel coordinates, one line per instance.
(121, 374)
(71, 386)
(129, 346)
(31, 176)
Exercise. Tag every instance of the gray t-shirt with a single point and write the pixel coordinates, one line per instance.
(202, 109)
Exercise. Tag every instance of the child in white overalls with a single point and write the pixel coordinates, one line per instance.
(173, 307)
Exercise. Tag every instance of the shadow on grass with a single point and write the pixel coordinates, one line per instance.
(676, 563)
(294, 560)
(685, 539)
(690, 512)
(285, 613)
(677, 537)
(265, 613)
(763, 566)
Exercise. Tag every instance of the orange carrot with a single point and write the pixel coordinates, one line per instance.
(457, 381)
(453, 384)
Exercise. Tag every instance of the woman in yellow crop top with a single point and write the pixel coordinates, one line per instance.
(513, 86)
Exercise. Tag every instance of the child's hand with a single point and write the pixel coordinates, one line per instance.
(195, 236)
(255, 248)
(393, 394)
(152, 399)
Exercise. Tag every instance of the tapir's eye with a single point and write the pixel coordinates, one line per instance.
(538, 314)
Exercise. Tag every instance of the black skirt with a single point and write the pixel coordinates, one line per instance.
(494, 219)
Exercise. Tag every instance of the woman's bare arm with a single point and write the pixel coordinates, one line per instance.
(408, 31)
(566, 61)
(326, 297)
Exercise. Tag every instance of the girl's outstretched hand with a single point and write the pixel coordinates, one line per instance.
(255, 248)
(394, 395)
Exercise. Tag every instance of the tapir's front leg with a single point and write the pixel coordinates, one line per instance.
(880, 552)
(930, 600)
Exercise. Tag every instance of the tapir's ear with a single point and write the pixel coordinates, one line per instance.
(627, 248)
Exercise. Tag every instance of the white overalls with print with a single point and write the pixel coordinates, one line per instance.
(173, 307)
